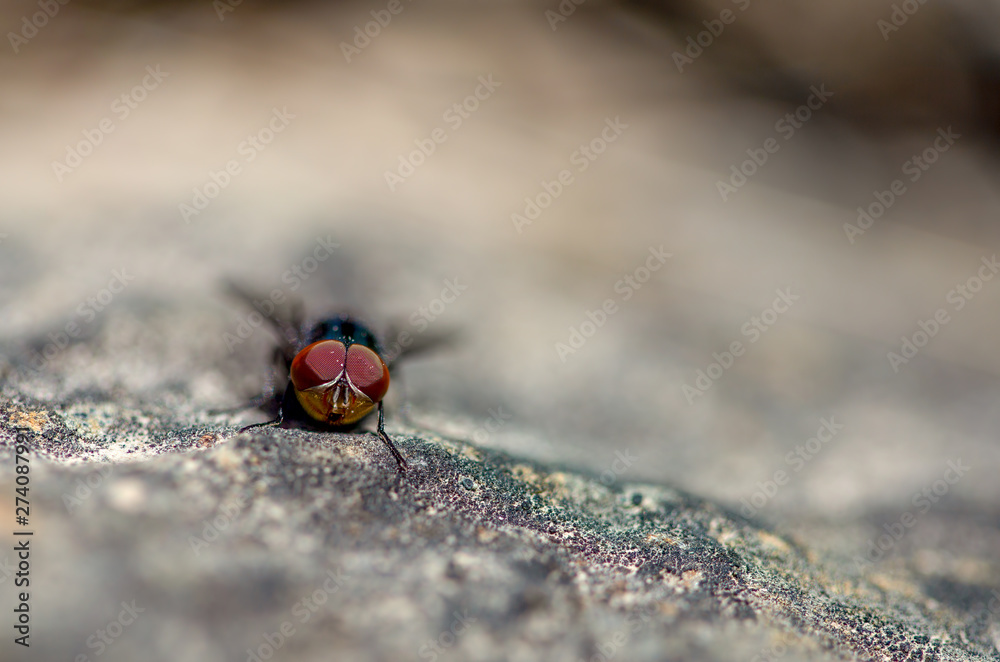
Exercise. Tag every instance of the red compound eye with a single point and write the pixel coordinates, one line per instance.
(319, 363)
(367, 372)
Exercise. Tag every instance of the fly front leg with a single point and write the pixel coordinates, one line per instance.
(400, 462)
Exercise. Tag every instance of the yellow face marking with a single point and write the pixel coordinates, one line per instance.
(336, 403)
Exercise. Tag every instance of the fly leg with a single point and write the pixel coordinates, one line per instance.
(277, 420)
(400, 462)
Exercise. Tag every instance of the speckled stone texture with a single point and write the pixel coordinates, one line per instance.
(301, 545)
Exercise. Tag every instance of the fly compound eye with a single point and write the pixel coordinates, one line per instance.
(367, 371)
(319, 363)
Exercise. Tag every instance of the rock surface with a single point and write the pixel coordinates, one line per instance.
(292, 544)
(551, 511)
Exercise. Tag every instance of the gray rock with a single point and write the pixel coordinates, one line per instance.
(159, 533)
(521, 533)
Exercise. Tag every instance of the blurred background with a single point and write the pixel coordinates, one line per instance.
(501, 169)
